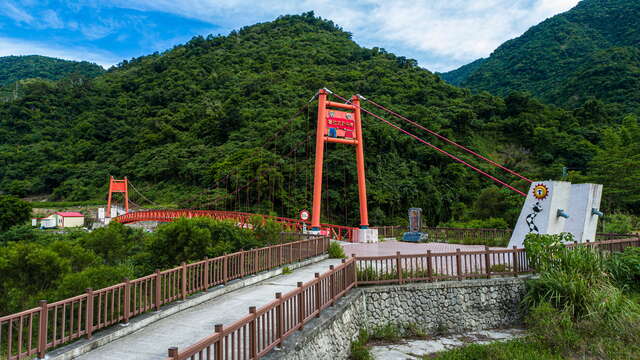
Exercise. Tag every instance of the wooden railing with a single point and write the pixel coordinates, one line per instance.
(265, 328)
(34, 331)
(458, 265)
(455, 235)
(257, 333)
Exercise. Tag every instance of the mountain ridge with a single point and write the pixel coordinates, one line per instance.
(560, 59)
(178, 122)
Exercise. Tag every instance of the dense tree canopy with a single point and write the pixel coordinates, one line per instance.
(14, 68)
(195, 127)
(13, 211)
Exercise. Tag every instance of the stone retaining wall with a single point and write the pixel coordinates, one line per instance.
(451, 306)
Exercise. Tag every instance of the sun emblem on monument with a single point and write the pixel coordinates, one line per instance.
(540, 191)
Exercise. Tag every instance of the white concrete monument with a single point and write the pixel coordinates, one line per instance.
(553, 207)
(584, 207)
(545, 210)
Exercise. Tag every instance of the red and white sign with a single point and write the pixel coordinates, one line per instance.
(305, 215)
(340, 124)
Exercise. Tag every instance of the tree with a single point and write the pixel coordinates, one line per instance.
(13, 211)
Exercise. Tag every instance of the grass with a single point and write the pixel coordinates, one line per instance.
(508, 350)
(286, 270)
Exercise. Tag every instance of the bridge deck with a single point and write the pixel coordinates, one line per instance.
(186, 327)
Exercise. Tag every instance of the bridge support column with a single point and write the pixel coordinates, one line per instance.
(317, 173)
(342, 126)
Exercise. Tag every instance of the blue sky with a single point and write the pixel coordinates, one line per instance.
(440, 34)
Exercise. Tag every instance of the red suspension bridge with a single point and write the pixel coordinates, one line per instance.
(339, 121)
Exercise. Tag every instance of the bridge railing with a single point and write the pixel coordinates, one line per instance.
(476, 236)
(34, 331)
(337, 232)
(460, 265)
(262, 329)
(266, 327)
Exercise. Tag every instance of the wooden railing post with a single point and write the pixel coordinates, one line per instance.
(301, 307)
(184, 280)
(173, 353)
(459, 264)
(89, 314)
(242, 263)
(42, 329)
(225, 267)
(217, 347)
(355, 269)
(205, 286)
(279, 318)
(399, 267)
(253, 334)
(487, 261)
(429, 267)
(515, 261)
(127, 300)
(158, 291)
(332, 287)
(256, 261)
(318, 294)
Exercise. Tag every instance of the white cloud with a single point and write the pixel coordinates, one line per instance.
(51, 20)
(9, 46)
(10, 9)
(441, 34)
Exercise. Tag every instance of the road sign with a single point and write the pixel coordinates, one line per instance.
(305, 215)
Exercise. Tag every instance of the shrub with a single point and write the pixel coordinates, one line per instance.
(336, 251)
(388, 332)
(13, 211)
(114, 243)
(193, 239)
(542, 249)
(618, 224)
(266, 231)
(625, 268)
(95, 277)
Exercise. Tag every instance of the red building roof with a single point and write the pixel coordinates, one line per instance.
(69, 214)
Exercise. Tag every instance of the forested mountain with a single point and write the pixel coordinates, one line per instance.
(197, 122)
(14, 68)
(591, 51)
(457, 76)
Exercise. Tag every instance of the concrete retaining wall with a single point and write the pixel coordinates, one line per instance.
(452, 306)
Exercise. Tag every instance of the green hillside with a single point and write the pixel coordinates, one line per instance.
(588, 52)
(180, 124)
(14, 68)
(457, 76)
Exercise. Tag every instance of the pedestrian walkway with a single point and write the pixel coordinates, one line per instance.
(186, 327)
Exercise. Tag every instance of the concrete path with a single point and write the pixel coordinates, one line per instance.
(387, 248)
(420, 349)
(186, 327)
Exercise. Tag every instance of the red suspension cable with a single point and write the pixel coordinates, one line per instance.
(437, 149)
(446, 139)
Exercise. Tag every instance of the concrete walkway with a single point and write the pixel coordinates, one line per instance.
(186, 327)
